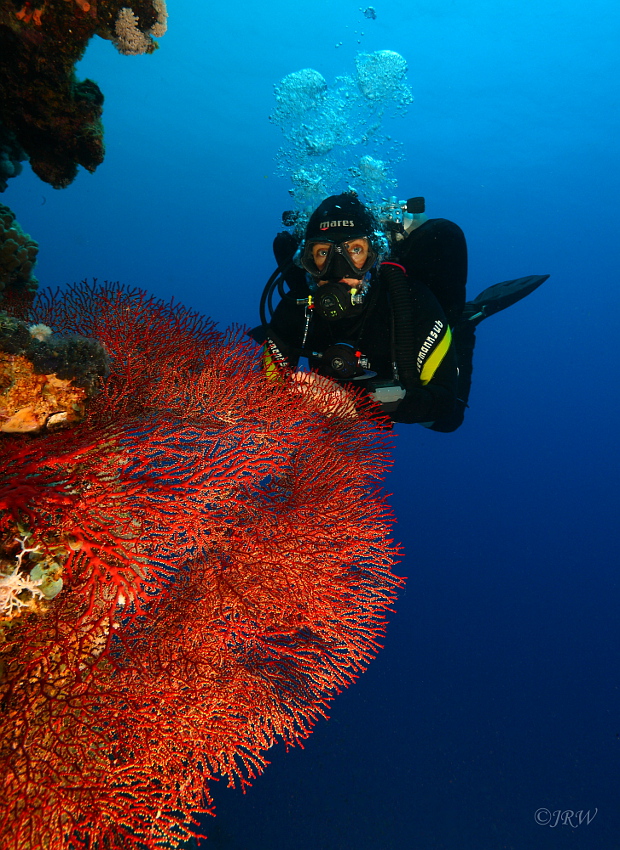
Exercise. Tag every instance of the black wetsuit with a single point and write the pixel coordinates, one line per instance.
(435, 258)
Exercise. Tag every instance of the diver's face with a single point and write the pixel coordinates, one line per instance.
(357, 249)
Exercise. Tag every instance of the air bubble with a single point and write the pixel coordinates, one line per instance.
(297, 93)
(334, 136)
(381, 76)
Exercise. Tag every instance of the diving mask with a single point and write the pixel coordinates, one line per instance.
(335, 261)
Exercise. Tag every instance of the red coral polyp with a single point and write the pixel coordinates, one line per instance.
(226, 560)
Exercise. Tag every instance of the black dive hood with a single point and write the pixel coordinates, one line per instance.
(340, 218)
(337, 221)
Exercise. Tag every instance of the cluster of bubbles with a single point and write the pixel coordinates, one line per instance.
(334, 134)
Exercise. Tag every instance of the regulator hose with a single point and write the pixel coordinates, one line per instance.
(394, 277)
(276, 281)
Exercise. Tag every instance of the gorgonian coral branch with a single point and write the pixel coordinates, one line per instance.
(226, 563)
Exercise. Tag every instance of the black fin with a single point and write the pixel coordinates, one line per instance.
(501, 295)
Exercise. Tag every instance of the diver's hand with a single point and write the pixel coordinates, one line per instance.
(324, 394)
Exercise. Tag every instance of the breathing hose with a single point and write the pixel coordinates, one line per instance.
(394, 278)
(276, 281)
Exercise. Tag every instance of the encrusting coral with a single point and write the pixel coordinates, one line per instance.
(44, 110)
(31, 402)
(45, 379)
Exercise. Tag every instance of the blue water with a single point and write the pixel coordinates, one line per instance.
(498, 691)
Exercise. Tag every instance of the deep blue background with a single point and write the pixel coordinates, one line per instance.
(497, 693)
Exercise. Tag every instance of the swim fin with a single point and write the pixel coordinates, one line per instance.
(499, 296)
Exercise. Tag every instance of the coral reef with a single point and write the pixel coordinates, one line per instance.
(25, 586)
(44, 109)
(226, 565)
(45, 379)
(130, 39)
(71, 356)
(11, 157)
(18, 254)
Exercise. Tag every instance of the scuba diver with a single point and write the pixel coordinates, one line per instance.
(379, 303)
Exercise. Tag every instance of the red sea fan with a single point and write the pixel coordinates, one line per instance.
(226, 563)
